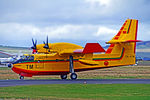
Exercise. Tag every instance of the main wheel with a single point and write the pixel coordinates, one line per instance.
(21, 77)
(63, 76)
(73, 76)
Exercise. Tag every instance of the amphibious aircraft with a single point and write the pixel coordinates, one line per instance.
(64, 58)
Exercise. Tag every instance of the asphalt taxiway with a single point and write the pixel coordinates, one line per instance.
(6, 83)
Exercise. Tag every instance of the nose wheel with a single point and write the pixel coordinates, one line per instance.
(21, 77)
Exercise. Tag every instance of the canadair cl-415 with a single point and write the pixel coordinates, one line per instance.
(64, 58)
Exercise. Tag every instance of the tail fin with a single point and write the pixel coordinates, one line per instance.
(125, 38)
(128, 32)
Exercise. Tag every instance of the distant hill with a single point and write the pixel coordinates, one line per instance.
(13, 47)
(139, 45)
(17, 50)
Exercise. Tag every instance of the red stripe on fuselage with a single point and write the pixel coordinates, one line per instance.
(19, 71)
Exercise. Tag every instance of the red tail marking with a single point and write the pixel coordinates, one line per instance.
(112, 45)
(116, 38)
(124, 32)
(108, 50)
(124, 24)
(118, 33)
(121, 28)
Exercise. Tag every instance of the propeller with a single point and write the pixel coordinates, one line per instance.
(46, 44)
(34, 44)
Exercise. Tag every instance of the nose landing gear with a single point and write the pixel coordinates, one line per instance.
(21, 77)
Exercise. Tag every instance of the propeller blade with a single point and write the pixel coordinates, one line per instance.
(32, 41)
(47, 40)
(43, 42)
(46, 44)
(34, 44)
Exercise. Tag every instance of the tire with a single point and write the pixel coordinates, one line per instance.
(63, 76)
(73, 76)
(21, 77)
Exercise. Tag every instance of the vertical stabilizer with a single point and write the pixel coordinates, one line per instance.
(125, 41)
(126, 35)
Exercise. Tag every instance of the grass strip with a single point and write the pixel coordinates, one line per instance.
(78, 91)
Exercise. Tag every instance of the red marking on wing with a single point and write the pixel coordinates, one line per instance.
(93, 47)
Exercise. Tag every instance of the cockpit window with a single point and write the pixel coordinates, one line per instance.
(28, 58)
(24, 58)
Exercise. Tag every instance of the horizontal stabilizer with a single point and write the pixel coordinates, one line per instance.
(122, 41)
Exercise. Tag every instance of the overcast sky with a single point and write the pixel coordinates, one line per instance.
(75, 21)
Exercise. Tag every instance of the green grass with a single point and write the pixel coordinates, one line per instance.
(78, 91)
(4, 68)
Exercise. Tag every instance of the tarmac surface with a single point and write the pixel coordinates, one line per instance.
(6, 83)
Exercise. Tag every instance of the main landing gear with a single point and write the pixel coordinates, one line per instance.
(73, 75)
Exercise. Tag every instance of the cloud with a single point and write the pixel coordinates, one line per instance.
(22, 33)
(99, 2)
(105, 30)
(143, 32)
(74, 20)
(72, 12)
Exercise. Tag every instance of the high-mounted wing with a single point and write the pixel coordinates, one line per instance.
(89, 48)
